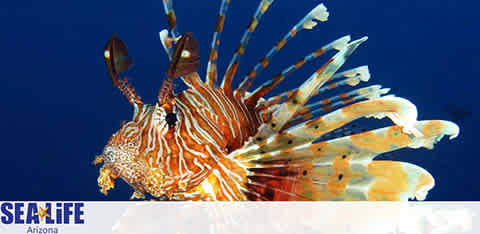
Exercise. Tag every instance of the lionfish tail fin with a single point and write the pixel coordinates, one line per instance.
(342, 168)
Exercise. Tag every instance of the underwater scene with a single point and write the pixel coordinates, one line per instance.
(239, 100)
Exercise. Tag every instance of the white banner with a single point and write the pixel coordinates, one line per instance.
(241, 217)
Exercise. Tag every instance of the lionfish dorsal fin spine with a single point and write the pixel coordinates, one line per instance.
(319, 13)
(171, 17)
(287, 110)
(351, 77)
(212, 73)
(167, 41)
(226, 83)
(252, 98)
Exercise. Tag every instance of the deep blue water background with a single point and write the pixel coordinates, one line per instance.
(59, 107)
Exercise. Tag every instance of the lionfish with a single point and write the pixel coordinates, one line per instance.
(214, 142)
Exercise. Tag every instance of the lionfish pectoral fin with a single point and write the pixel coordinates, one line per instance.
(344, 169)
(308, 131)
(375, 181)
(287, 110)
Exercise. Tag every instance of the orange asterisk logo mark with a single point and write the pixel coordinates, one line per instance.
(42, 212)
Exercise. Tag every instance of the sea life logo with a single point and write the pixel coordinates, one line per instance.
(42, 217)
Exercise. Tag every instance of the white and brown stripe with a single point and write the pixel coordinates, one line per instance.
(189, 157)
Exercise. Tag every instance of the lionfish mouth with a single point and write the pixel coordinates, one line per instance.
(142, 178)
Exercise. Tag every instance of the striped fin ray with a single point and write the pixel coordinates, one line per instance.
(340, 181)
(352, 77)
(167, 41)
(319, 13)
(252, 98)
(324, 105)
(212, 59)
(171, 17)
(342, 168)
(308, 111)
(226, 84)
(404, 111)
(289, 108)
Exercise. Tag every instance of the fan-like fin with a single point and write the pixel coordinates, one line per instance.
(353, 78)
(288, 109)
(342, 168)
(327, 104)
(364, 146)
(376, 181)
(404, 111)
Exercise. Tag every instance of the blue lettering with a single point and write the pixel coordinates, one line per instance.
(49, 220)
(59, 213)
(67, 212)
(26, 213)
(7, 218)
(19, 213)
(31, 210)
(78, 213)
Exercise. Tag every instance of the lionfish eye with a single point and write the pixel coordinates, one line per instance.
(171, 119)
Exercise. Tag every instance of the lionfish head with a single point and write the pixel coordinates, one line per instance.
(121, 159)
(121, 156)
